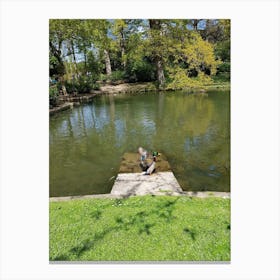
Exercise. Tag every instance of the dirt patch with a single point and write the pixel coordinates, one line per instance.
(128, 88)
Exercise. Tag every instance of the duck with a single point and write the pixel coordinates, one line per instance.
(151, 167)
(148, 168)
(143, 154)
(143, 158)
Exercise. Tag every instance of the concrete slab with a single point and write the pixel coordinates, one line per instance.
(160, 183)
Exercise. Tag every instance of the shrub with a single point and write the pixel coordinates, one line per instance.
(204, 79)
(103, 77)
(223, 72)
(223, 67)
(70, 87)
(180, 80)
(53, 95)
(84, 85)
(81, 85)
(117, 75)
(141, 71)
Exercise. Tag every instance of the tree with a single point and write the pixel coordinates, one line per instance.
(156, 38)
(189, 56)
(56, 36)
(194, 23)
(119, 30)
(173, 52)
(98, 32)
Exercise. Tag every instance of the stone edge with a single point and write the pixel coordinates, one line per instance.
(205, 194)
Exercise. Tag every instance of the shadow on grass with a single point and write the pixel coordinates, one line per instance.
(162, 212)
(62, 257)
(190, 232)
(138, 221)
(96, 214)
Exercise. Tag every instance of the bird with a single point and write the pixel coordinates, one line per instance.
(145, 166)
(152, 167)
(143, 158)
(143, 153)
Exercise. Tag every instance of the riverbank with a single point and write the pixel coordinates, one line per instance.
(68, 101)
(146, 228)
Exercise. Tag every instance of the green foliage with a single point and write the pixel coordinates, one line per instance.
(56, 66)
(94, 64)
(103, 77)
(204, 79)
(223, 72)
(140, 71)
(222, 77)
(224, 67)
(83, 84)
(200, 55)
(117, 75)
(53, 95)
(222, 50)
(139, 50)
(181, 80)
(140, 228)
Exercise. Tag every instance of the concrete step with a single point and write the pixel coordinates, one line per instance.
(159, 183)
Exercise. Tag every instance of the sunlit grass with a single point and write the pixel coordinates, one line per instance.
(141, 228)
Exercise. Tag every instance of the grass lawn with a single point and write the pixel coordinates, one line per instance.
(150, 228)
(219, 85)
(222, 81)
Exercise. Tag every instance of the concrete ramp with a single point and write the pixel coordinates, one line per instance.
(160, 183)
(131, 181)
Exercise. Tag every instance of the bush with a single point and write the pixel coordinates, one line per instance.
(53, 95)
(103, 77)
(141, 71)
(180, 80)
(70, 87)
(223, 72)
(117, 75)
(81, 85)
(223, 67)
(84, 85)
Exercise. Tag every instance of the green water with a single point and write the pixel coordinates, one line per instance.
(86, 143)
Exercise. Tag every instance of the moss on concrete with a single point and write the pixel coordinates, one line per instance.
(131, 163)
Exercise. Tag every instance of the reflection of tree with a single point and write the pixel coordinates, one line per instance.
(70, 128)
(191, 114)
(199, 126)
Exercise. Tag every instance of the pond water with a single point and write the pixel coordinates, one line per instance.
(86, 143)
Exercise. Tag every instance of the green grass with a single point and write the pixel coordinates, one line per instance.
(221, 81)
(141, 228)
(218, 86)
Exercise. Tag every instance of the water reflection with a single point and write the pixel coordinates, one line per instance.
(86, 144)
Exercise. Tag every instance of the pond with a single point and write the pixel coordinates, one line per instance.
(193, 131)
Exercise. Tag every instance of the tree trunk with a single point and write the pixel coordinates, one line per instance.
(107, 63)
(160, 73)
(85, 57)
(122, 48)
(195, 24)
(74, 59)
(155, 25)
